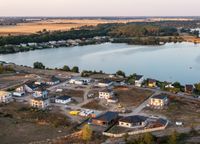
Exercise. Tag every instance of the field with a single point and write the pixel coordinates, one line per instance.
(66, 24)
(19, 124)
(53, 25)
(132, 97)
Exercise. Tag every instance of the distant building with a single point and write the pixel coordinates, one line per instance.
(63, 99)
(135, 121)
(105, 119)
(106, 94)
(30, 86)
(169, 85)
(158, 101)
(20, 91)
(139, 79)
(151, 83)
(53, 81)
(80, 81)
(40, 92)
(40, 103)
(105, 83)
(189, 89)
(5, 97)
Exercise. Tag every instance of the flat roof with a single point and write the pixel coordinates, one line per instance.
(159, 97)
(108, 116)
(63, 97)
(134, 119)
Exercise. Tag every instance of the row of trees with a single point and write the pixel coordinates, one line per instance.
(134, 30)
(39, 65)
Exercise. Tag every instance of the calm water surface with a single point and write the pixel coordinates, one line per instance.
(170, 62)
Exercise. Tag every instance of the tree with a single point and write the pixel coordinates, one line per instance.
(121, 73)
(148, 138)
(75, 69)
(177, 85)
(173, 138)
(86, 133)
(1, 69)
(126, 137)
(197, 86)
(38, 65)
(66, 68)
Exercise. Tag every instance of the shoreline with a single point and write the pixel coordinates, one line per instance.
(190, 39)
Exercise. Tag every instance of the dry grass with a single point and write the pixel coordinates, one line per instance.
(19, 126)
(132, 97)
(192, 39)
(180, 109)
(94, 105)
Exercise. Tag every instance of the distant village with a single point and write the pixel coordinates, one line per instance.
(62, 43)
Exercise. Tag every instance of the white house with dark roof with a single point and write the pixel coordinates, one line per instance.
(135, 121)
(63, 99)
(105, 83)
(80, 80)
(139, 79)
(53, 81)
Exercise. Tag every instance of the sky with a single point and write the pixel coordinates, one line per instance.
(99, 7)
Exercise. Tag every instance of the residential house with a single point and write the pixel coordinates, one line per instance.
(53, 81)
(105, 83)
(151, 83)
(63, 99)
(139, 79)
(135, 121)
(5, 97)
(80, 81)
(40, 102)
(20, 91)
(105, 119)
(40, 92)
(169, 85)
(189, 89)
(30, 86)
(158, 101)
(106, 94)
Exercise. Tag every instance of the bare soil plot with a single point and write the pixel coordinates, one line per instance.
(12, 80)
(132, 97)
(95, 105)
(20, 125)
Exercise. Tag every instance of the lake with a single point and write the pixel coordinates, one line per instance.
(169, 62)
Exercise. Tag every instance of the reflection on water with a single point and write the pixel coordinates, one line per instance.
(170, 62)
